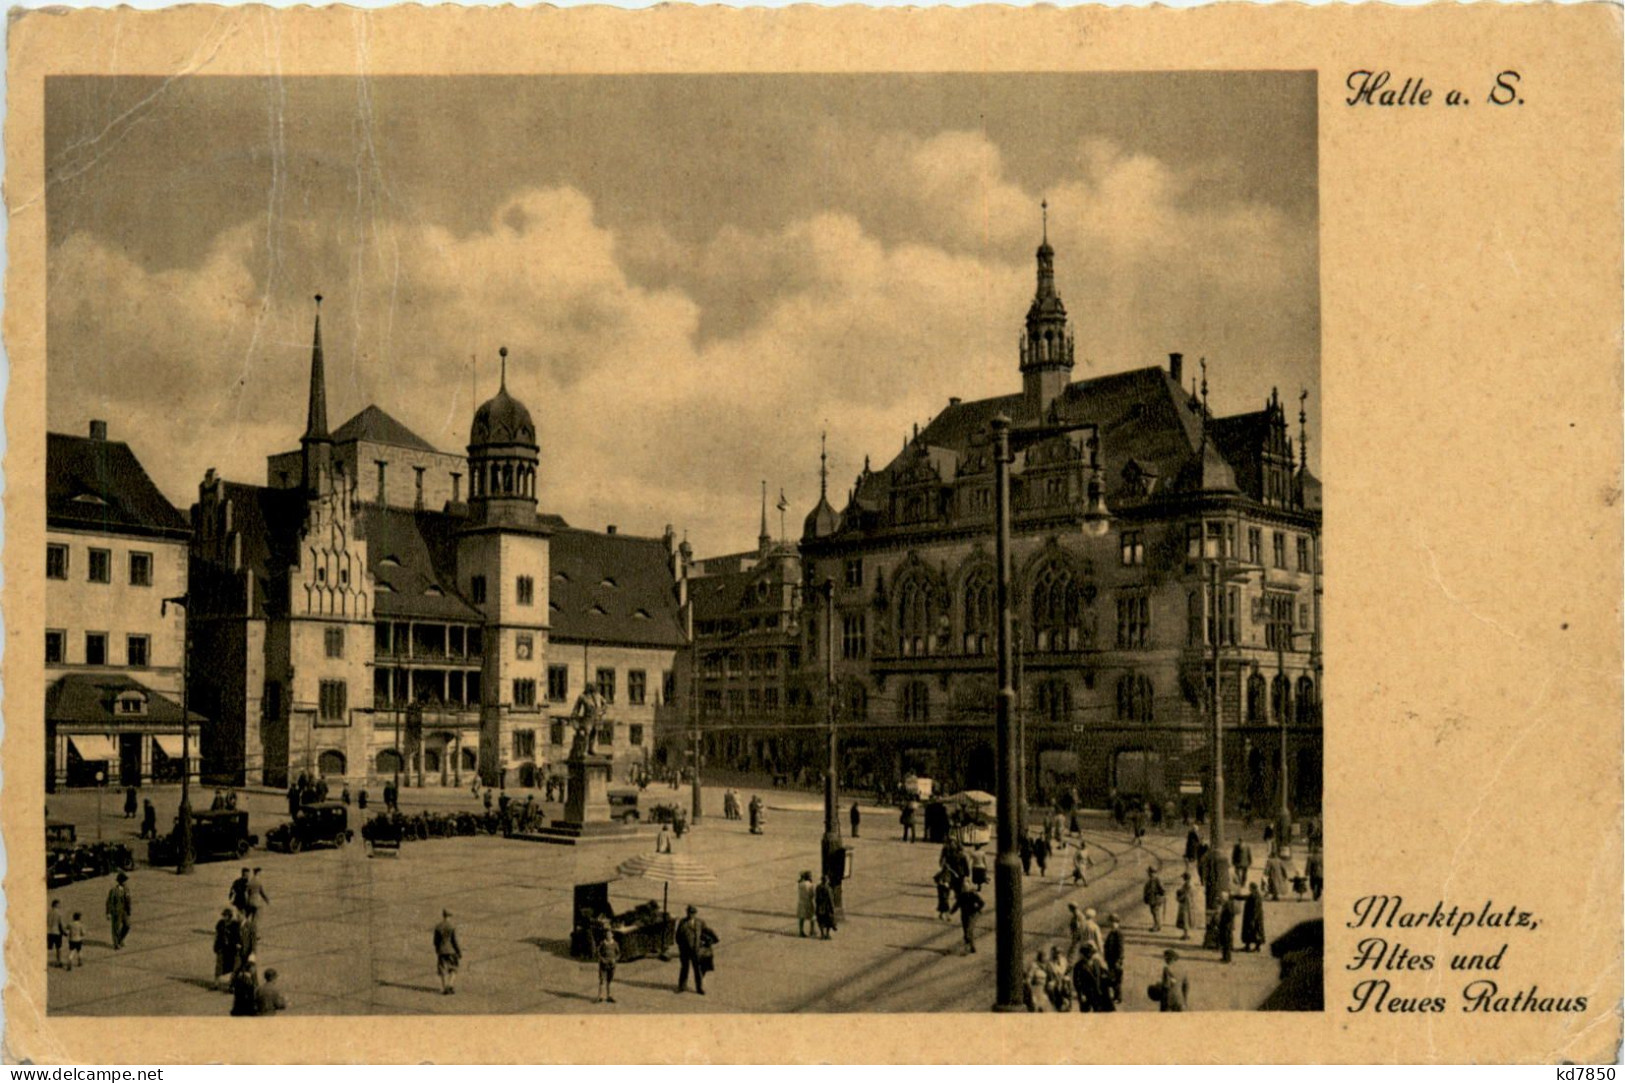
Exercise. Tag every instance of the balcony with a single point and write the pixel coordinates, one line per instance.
(402, 655)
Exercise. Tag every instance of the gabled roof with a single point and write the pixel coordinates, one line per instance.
(268, 521)
(377, 427)
(100, 485)
(614, 588)
(92, 699)
(412, 556)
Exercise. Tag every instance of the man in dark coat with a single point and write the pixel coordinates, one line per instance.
(1155, 896)
(293, 799)
(225, 947)
(129, 802)
(238, 894)
(1226, 928)
(1315, 868)
(1252, 920)
(1114, 957)
(694, 940)
(1193, 845)
(149, 819)
(1025, 846)
(969, 903)
(245, 986)
(1040, 848)
(1092, 982)
(1242, 858)
(824, 907)
(118, 910)
(448, 953)
(856, 816)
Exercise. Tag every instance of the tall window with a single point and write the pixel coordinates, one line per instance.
(524, 744)
(525, 590)
(637, 687)
(854, 573)
(1279, 540)
(1135, 702)
(1133, 549)
(1255, 698)
(978, 613)
(95, 648)
(634, 735)
(524, 692)
(914, 619)
(812, 639)
(1306, 700)
(555, 732)
(1053, 701)
(476, 589)
(1279, 608)
(56, 649)
(136, 651)
(606, 684)
(333, 640)
(140, 569)
(101, 566)
(916, 702)
(853, 643)
(332, 700)
(1255, 545)
(56, 562)
(1303, 554)
(1055, 611)
(1223, 619)
(1133, 619)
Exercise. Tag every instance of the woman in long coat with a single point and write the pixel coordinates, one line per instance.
(805, 889)
(1252, 920)
(824, 907)
(1185, 918)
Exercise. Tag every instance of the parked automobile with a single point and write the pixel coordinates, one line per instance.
(323, 823)
(623, 806)
(216, 834)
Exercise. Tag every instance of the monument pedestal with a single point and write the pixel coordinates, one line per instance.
(586, 807)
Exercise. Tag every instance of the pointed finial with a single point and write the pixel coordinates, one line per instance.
(1303, 429)
(823, 466)
(1043, 206)
(502, 352)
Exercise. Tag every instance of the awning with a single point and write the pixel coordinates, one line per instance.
(171, 744)
(94, 747)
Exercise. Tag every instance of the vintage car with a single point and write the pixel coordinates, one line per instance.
(642, 931)
(623, 806)
(216, 834)
(324, 823)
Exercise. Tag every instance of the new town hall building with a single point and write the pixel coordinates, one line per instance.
(381, 606)
(1115, 635)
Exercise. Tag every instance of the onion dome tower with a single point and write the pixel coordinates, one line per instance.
(822, 521)
(502, 456)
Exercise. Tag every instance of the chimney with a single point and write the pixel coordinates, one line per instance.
(1176, 368)
(98, 430)
(610, 529)
(954, 400)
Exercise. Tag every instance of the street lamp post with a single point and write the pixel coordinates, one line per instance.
(183, 862)
(832, 819)
(1007, 863)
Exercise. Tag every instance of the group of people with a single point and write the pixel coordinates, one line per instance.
(959, 880)
(815, 905)
(236, 947)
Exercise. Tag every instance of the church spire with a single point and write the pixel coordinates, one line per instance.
(316, 415)
(1046, 343)
(823, 466)
(764, 539)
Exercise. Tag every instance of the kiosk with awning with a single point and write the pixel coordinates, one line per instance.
(113, 725)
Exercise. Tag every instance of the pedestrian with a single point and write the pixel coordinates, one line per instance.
(56, 929)
(1193, 845)
(1185, 906)
(1241, 858)
(231, 800)
(908, 821)
(118, 910)
(1112, 955)
(1090, 982)
(694, 948)
(361, 799)
(1080, 865)
(978, 868)
(1091, 930)
(238, 894)
(1275, 877)
(1215, 874)
(1315, 867)
(129, 802)
(149, 819)
(1252, 920)
(856, 817)
(225, 947)
(448, 953)
(755, 815)
(944, 880)
(1041, 852)
(344, 795)
(954, 860)
(1225, 927)
(245, 987)
(293, 799)
(485, 799)
(609, 953)
(1025, 848)
(1173, 989)
(1137, 823)
(824, 907)
(76, 941)
(268, 998)
(663, 840)
(257, 898)
(219, 801)
(248, 938)
(1035, 990)
(806, 911)
(969, 903)
(1155, 896)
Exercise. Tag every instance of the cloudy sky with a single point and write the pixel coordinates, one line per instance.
(694, 275)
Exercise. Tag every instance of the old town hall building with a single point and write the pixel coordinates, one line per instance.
(382, 607)
(1116, 635)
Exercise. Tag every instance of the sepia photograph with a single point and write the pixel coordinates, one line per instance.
(711, 543)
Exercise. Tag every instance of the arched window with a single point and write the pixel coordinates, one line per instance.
(1053, 701)
(915, 703)
(1306, 700)
(978, 613)
(1280, 698)
(914, 629)
(1056, 625)
(1255, 698)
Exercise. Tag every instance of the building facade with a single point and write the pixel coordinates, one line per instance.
(115, 550)
(1116, 636)
(381, 609)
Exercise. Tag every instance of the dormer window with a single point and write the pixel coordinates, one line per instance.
(132, 703)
